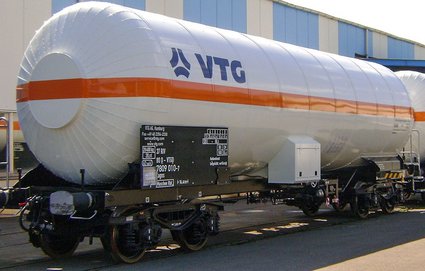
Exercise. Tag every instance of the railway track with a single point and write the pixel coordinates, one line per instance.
(240, 224)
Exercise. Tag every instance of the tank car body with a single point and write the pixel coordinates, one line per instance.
(415, 85)
(99, 85)
(95, 72)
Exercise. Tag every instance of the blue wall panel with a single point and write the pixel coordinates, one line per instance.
(224, 14)
(239, 19)
(302, 23)
(192, 10)
(290, 25)
(342, 39)
(278, 22)
(58, 5)
(228, 14)
(209, 12)
(313, 31)
(295, 26)
(351, 40)
(400, 49)
(139, 4)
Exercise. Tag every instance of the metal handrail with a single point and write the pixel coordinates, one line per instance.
(418, 134)
(413, 154)
(7, 162)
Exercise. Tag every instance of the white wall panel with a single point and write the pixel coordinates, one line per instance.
(18, 22)
(380, 45)
(260, 18)
(11, 52)
(328, 35)
(172, 8)
(419, 52)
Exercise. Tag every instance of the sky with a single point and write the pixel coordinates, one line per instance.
(402, 18)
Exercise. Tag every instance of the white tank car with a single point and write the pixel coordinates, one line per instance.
(415, 85)
(95, 72)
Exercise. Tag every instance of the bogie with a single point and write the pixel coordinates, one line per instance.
(194, 237)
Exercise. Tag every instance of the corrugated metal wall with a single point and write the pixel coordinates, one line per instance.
(379, 45)
(369, 43)
(295, 26)
(280, 21)
(227, 14)
(328, 35)
(173, 8)
(259, 19)
(351, 40)
(419, 52)
(18, 22)
(400, 49)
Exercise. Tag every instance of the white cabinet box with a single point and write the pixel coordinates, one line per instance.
(297, 162)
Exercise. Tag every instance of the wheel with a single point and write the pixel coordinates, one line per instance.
(106, 241)
(194, 237)
(406, 195)
(125, 244)
(339, 207)
(359, 207)
(387, 205)
(58, 246)
(310, 209)
(24, 218)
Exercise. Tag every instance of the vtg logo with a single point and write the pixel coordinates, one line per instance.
(206, 65)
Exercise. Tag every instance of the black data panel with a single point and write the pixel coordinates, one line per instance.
(181, 156)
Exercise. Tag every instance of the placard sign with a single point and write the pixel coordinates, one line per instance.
(181, 156)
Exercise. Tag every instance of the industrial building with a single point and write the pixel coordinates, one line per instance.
(273, 19)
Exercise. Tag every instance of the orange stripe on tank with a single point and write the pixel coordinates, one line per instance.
(419, 116)
(16, 126)
(164, 88)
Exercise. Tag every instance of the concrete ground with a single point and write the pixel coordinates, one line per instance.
(257, 237)
(391, 242)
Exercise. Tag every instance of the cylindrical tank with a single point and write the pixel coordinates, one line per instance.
(415, 85)
(95, 72)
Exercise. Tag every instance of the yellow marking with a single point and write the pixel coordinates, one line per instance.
(270, 229)
(253, 232)
(292, 225)
(393, 175)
